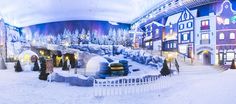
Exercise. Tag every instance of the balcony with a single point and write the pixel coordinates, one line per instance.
(205, 41)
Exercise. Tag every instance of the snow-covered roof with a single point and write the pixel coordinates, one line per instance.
(194, 12)
(156, 23)
(173, 19)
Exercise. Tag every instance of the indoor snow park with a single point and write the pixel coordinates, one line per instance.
(117, 51)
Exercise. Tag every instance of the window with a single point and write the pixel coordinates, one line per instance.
(181, 26)
(205, 36)
(205, 23)
(157, 31)
(230, 56)
(185, 36)
(174, 45)
(222, 36)
(171, 45)
(189, 24)
(232, 35)
(226, 22)
(171, 25)
(171, 31)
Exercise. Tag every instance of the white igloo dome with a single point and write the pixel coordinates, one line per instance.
(93, 64)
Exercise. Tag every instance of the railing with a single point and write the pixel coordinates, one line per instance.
(129, 85)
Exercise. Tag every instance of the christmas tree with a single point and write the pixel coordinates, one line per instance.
(36, 66)
(233, 65)
(18, 67)
(43, 75)
(165, 70)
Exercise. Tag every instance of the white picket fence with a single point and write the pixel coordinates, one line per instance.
(129, 85)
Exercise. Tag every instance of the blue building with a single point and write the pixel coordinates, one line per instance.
(186, 25)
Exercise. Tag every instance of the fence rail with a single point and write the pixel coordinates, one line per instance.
(129, 85)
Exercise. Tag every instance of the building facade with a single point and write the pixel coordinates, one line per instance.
(225, 33)
(170, 41)
(186, 24)
(205, 39)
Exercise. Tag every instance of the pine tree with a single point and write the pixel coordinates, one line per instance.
(165, 70)
(43, 75)
(36, 66)
(65, 67)
(18, 67)
(233, 65)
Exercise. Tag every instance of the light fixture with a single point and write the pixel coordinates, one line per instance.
(113, 23)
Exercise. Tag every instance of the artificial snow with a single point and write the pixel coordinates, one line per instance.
(195, 84)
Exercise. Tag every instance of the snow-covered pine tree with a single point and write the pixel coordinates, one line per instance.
(18, 67)
(36, 65)
(43, 75)
(165, 69)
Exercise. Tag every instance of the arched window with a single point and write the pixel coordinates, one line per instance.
(232, 35)
(222, 36)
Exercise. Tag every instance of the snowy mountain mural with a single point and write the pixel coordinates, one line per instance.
(77, 32)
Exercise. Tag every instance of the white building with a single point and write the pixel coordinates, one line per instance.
(205, 39)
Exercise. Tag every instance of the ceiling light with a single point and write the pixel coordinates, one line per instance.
(113, 23)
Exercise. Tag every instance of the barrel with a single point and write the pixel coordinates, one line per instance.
(125, 65)
(117, 69)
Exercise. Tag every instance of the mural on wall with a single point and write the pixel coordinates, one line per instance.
(77, 32)
(15, 42)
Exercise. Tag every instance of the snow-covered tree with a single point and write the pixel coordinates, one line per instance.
(43, 75)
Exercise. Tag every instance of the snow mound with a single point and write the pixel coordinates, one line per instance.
(93, 64)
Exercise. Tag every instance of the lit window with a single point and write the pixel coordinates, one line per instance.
(171, 45)
(174, 45)
(190, 24)
(171, 26)
(222, 35)
(230, 56)
(232, 36)
(226, 22)
(206, 23)
(203, 23)
(205, 36)
(219, 20)
(171, 31)
(185, 37)
(157, 31)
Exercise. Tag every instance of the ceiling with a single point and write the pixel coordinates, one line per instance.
(23, 13)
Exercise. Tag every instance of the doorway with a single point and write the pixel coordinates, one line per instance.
(206, 57)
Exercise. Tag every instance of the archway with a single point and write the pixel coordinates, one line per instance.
(206, 57)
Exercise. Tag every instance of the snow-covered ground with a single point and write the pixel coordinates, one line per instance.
(195, 85)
